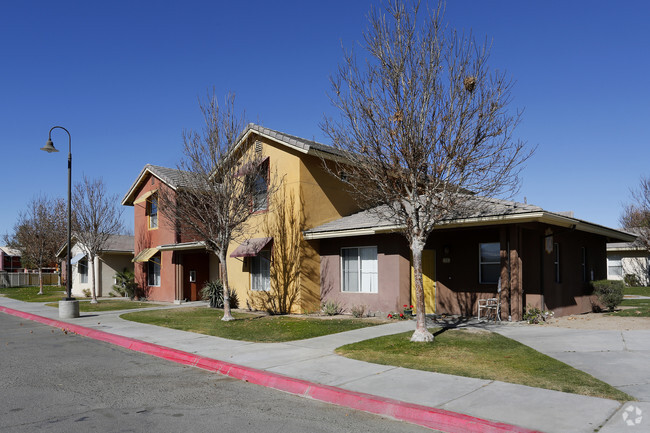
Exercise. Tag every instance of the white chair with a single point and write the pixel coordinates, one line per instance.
(491, 306)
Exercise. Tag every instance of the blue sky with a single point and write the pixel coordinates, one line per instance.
(124, 77)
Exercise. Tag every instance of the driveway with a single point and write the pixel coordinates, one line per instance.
(620, 358)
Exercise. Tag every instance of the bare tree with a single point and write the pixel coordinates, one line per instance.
(636, 216)
(424, 126)
(97, 216)
(285, 227)
(39, 232)
(222, 184)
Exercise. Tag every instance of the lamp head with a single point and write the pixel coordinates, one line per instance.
(49, 146)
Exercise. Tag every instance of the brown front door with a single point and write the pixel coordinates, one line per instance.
(195, 274)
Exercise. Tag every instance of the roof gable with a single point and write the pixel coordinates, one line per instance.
(171, 177)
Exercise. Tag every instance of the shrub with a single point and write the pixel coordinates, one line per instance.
(534, 315)
(631, 280)
(358, 310)
(125, 283)
(609, 293)
(86, 293)
(213, 292)
(331, 308)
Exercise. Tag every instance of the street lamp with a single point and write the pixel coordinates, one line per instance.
(69, 306)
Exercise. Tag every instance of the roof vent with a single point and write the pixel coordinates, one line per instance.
(258, 146)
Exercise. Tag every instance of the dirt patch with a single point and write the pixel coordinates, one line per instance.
(599, 321)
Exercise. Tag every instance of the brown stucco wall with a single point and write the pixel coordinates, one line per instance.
(393, 262)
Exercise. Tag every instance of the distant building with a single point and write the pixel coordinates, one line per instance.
(10, 260)
(628, 259)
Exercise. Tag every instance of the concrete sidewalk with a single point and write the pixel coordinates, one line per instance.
(313, 360)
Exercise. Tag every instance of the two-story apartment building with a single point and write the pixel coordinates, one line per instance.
(518, 252)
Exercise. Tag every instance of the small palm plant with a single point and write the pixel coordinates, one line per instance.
(125, 283)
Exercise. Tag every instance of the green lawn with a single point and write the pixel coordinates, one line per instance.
(109, 305)
(247, 327)
(641, 291)
(641, 308)
(30, 294)
(481, 355)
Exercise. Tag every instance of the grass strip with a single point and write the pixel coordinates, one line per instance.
(640, 291)
(109, 305)
(246, 327)
(482, 355)
(641, 308)
(30, 293)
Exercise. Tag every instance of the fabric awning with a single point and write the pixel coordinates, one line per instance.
(145, 196)
(76, 258)
(145, 255)
(251, 247)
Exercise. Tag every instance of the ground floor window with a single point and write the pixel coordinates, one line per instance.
(83, 270)
(359, 270)
(261, 271)
(489, 262)
(614, 266)
(153, 271)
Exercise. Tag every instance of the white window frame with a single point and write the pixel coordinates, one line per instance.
(372, 274)
(614, 261)
(82, 269)
(151, 267)
(481, 263)
(152, 217)
(261, 278)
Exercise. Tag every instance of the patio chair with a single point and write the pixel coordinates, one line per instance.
(491, 306)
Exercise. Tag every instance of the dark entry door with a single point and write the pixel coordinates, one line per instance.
(196, 273)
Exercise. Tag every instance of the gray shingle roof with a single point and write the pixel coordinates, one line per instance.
(299, 142)
(171, 176)
(480, 208)
(120, 243)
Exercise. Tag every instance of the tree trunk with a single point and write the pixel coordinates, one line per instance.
(227, 317)
(421, 333)
(40, 281)
(92, 286)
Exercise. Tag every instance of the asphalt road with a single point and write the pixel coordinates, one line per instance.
(56, 382)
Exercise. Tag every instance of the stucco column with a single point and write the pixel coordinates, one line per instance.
(98, 277)
(516, 274)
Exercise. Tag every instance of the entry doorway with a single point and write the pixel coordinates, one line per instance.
(428, 280)
(195, 274)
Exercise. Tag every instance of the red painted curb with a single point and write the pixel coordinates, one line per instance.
(438, 419)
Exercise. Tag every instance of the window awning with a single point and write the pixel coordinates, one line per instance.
(76, 258)
(145, 255)
(251, 247)
(145, 196)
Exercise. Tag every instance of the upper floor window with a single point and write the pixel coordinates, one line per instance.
(152, 211)
(489, 262)
(261, 188)
(359, 270)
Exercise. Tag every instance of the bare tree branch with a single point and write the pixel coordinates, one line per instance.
(424, 125)
(97, 216)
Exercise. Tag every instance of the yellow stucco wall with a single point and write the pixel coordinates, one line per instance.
(319, 198)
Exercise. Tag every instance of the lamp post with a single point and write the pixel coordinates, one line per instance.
(69, 306)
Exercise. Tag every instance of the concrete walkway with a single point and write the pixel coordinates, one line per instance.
(313, 360)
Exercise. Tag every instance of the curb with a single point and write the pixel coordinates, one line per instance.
(438, 419)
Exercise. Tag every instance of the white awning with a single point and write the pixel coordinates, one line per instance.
(76, 258)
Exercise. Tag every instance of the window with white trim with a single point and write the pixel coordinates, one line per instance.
(82, 268)
(152, 211)
(261, 188)
(359, 270)
(489, 262)
(153, 271)
(614, 266)
(261, 271)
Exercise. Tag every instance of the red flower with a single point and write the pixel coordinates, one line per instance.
(405, 305)
(401, 315)
(390, 316)
(411, 306)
